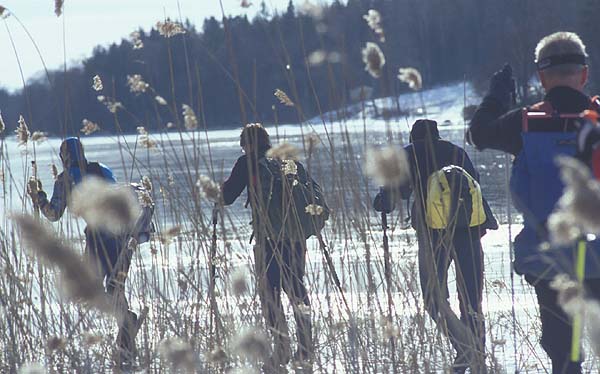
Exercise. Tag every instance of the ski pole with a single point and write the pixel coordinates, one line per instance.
(34, 186)
(577, 326)
(212, 270)
(388, 279)
(336, 280)
(332, 271)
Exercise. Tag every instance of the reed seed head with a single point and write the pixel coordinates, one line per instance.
(374, 59)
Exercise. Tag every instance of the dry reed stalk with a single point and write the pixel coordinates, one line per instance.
(283, 98)
(412, 77)
(389, 166)
(79, 280)
(105, 206)
(22, 132)
(88, 127)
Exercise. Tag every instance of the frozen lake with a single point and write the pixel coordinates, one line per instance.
(175, 164)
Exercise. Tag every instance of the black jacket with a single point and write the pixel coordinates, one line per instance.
(237, 181)
(243, 171)
(426, 157)
(492, 127)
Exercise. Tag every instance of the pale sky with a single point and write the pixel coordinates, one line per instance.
(87, 23)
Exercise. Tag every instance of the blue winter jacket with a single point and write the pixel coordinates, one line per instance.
(54, 208)
(535, 183)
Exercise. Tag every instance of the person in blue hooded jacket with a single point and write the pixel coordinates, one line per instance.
(428, 153)
(103, 248)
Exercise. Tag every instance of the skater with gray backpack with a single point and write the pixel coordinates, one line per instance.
(287, 208)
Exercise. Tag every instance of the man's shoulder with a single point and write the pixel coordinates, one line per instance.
(243, 158)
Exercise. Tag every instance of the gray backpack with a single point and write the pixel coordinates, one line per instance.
(291, 205)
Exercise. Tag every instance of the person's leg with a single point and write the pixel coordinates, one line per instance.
(96, 253)
(119, 258)
(468, 256)
(294, 265)
(113, 260)
(268, 276)
(592, 289)
(433, 274)
(556, 328)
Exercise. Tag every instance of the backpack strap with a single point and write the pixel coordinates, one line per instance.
(595, 105)
(94, 168)
(543, 109)
(542, 106)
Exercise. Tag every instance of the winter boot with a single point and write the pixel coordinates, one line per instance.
(126, 340)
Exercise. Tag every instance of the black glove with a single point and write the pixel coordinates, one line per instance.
(503, 87)
(382, 202)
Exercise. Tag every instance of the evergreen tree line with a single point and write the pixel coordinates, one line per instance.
(228, 71)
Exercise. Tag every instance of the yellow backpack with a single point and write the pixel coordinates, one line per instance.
(454, 199)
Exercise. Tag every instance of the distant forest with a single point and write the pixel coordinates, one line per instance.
(229, 69)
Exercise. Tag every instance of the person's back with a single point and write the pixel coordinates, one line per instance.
(428, 153)
(535, 136)
(280, 261)
(438, 247)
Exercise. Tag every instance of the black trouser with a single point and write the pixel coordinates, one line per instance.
(112, 259)
(437, 249)
(557, 327)
(281, 266)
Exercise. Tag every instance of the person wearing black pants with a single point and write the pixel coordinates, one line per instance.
(428, 153)
(437, 250)
(279, 265)
(557, 326)
(112, 258)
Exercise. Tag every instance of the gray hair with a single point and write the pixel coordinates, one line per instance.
(560, 43)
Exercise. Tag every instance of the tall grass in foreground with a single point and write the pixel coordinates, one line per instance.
(193, 328)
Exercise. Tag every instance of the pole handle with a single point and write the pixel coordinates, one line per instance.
(577, 323)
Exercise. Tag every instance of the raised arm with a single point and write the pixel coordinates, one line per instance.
(492, 127)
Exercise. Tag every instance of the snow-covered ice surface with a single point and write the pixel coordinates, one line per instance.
(369, 307)
(176, 276)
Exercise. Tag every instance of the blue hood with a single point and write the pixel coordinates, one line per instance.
(73, 149)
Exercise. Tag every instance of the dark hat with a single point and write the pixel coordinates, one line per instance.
(424, 129)
(256, 134)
